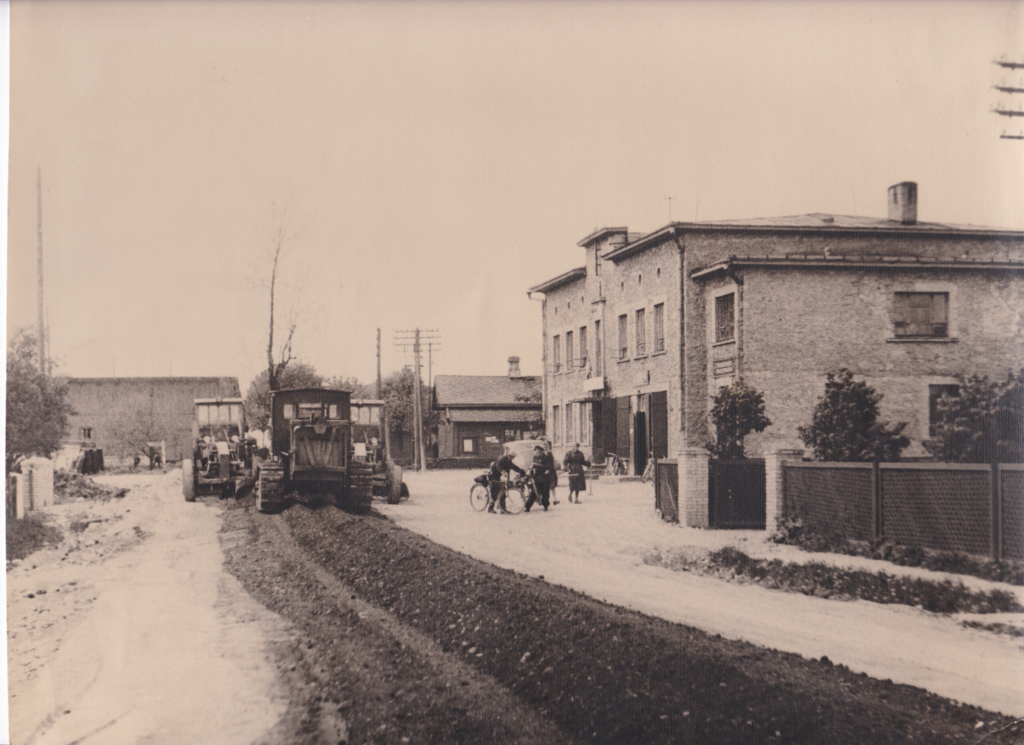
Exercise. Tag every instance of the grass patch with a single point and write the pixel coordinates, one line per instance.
(826, 581)
(28, 535)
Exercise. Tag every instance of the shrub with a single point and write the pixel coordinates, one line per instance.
(738, 410)
(845, 427)
(984, 423)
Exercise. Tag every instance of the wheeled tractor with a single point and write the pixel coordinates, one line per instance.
(220, 456)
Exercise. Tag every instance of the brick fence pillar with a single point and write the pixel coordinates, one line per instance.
(693, 487)
(775, 503)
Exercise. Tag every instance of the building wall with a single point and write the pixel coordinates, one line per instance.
(642, 281)
(795, 325)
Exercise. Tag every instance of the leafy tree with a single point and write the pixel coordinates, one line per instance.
(37, 403)
(352, 384)
(257, 399)
(398, 390)
(738, 410)
(984, 423)
(136, 419)
(846, 427)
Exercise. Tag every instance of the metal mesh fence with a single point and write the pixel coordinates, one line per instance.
(1011, 483)
(942, 508)
(831, 500)
(666, 489)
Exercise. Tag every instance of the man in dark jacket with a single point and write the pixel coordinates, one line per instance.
(504, 465)
(574, 464)
(543, 472)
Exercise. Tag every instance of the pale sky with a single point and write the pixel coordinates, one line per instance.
(435, 160)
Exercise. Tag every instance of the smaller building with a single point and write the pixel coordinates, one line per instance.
(480, 413)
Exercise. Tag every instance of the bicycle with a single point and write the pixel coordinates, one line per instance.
(480, 495)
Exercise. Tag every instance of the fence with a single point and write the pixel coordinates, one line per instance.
(666, 489)
(963, 507)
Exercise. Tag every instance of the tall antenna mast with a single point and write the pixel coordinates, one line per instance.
(39, 229)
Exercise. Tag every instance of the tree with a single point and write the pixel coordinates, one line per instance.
(846, 427)
(352, 385)
(738, 410)
(276, 369)
(37, 403)
(257, 399)
(137, 419)
(984, 423)
(398, 390)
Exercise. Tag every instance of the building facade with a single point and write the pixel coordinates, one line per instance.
(480, 413)
(639, 340)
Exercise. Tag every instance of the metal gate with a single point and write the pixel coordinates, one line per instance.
(736, 494)
(666, 489)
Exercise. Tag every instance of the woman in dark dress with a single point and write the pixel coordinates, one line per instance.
(574, 464)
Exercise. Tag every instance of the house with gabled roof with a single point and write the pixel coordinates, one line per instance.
(638, 341)
(480, 413)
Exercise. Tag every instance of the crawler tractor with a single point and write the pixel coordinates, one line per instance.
(368, 441)
(220, 455)
(311, 450)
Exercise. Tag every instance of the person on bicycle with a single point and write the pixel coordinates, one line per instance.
(573, 464)
(542, 471)
(503, 466)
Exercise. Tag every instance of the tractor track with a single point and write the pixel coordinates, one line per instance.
(397, 639)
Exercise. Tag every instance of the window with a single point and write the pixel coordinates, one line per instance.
(641, 334)
(568, 351)
(659, 327)
(921, 313)
(85, 433)
(557, 353)
(583, 346)
(936, 392)
(597, 263)
(597, 348)
(468, 445)
(623, 337)
(725, 317)
(570, 421)
(556, 424)
(289, 411)
(584, 426)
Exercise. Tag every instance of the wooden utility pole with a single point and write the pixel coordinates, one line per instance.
(39, 230)
(421, 450)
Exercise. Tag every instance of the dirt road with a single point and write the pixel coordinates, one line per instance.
(132, 632)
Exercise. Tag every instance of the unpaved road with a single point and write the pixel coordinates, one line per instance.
(351, 629)
(132, 632)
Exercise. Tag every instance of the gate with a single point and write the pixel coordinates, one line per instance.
(666, 489)
(736, 493)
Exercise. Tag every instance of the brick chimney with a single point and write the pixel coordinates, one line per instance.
(903, 202)
(513, 368)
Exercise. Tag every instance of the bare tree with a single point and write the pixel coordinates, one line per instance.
(275, 369)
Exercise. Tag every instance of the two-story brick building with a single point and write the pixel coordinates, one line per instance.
(639, 339)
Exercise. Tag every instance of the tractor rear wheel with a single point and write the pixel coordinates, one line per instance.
(188, 480)
(394, 483)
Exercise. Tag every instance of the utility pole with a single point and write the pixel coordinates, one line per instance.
(379, 386)
(1008, 109)
(417, 336)
(39, 230)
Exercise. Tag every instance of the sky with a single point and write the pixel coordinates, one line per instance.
(427, 163)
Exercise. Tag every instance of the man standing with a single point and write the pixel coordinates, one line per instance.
(574, 464)
(543, 472)
(504, 465)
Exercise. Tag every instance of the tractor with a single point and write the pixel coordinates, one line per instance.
(312, 451)
(369, 443)
(220, 455)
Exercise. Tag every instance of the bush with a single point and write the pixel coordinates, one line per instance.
(738, 410)
(845, 427)
(984, 423)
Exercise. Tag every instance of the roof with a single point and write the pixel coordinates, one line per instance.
(818, 223)
(494, 415)
(828, 261)
(562, 279)
(487, 391)
(601, 233)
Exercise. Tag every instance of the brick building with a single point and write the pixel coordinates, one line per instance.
(106, 410)
(480, 413)
(639, 339)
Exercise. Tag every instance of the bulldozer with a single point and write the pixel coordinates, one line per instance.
(369, 442)
(311, 450)
(220, 455)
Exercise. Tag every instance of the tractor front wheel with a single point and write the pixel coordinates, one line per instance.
(394, 483)
(188, 480)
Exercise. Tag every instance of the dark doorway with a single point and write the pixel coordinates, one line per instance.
(659, 424)
(639, 442)
(622, 425)
(609, 430)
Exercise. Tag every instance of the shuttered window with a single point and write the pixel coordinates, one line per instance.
(921, 314)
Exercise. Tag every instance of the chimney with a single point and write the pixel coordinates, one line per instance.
(513, 367)
(903, 202)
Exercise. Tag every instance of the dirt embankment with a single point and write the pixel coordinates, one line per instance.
(583, 670)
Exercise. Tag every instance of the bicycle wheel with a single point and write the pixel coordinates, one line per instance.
(479, 496)
(515, 502)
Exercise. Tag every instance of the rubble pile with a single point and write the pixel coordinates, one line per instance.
(69, 486)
